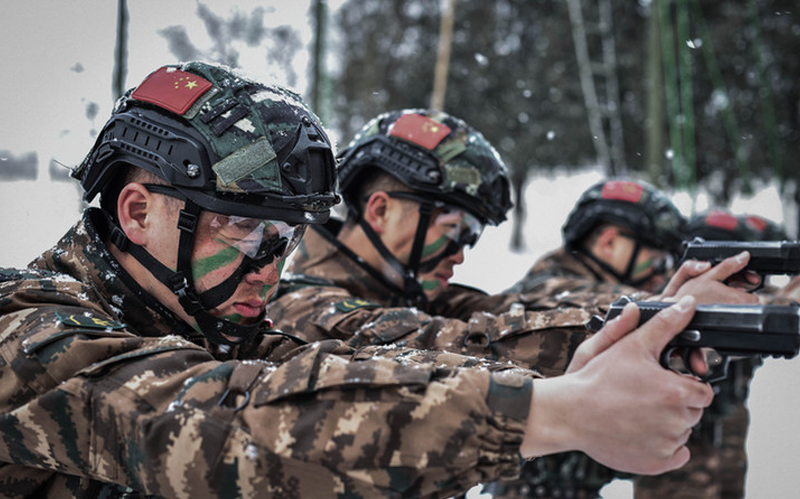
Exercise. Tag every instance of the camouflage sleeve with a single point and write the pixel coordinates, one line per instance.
(460, 302)
(593, 296)
(82, 396)
(553, 293)
(543, 340)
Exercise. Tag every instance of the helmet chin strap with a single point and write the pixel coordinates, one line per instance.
(412, 292)
(218, 331)
(624, 278)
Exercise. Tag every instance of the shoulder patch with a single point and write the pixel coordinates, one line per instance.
(353, 304)
(88, 321)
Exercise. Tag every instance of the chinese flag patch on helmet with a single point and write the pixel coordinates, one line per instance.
(622, 191)
(419, 130)
(722, 220)
(172, 89)
(757, 223)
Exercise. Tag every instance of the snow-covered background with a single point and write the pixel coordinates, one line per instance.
(44, 94)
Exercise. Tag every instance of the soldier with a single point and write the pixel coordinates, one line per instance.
(722, 432)
(137, 361)
(419, 185)
(628, 232)
(620, 232)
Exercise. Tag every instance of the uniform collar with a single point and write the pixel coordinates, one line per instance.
(83, 254)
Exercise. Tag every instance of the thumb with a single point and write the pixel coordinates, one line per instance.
(658, 331)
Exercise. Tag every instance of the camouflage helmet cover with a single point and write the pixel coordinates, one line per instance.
(637, 206)
(228, 143)
(766, 229)
(433, 153)
(721, 225)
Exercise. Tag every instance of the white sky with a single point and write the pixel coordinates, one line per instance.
(43, 105)
(42, 40)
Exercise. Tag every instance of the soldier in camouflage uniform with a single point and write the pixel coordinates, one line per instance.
(627, 232)
(137, 361)
(419, 185)
(621, 234)
(722, 433)
(332, 291)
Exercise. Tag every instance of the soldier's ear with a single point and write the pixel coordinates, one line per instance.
(376, 210)
(605, 243)
(133, 206)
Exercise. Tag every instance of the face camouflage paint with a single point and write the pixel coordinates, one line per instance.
(436, 246)
(234, 247)
(429, 285)
(264, 292)
(456, 226)
(223, 258)
(645, 265)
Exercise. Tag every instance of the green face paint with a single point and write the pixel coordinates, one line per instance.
(264, 291)
(430, 249)
(430, 285)
(204, 266)
(234, 318)
(641, 267)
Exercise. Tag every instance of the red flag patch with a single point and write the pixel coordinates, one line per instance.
(623, 191)
(172, 89)
(722, 220)
(419, 130)
(757, 223)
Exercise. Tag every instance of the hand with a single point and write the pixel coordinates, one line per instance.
(613, 332)
(617, 403)
(791, 291)
(708, 284)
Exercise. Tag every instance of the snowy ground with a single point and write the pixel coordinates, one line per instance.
(36, 213)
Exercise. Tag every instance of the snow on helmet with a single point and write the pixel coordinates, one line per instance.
(229, 144)
(432, 153)
(647, 213)
(721, 225)
(224, 144)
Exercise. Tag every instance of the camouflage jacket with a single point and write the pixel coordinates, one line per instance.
(559, 273)
(575, 473)
(106, 394)
(327, 294)
(571, 474)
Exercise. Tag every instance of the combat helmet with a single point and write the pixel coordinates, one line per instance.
(432, 153)
(225, 144)
(767, 230)
(442, 160)
(650, 217)
(721, 225)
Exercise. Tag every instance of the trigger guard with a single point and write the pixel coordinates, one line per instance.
(681, 364)
(677, 363)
